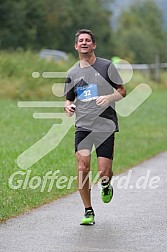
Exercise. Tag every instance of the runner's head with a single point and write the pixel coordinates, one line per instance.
(85, 31)
(85, 42)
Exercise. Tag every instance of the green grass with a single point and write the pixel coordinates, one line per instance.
(16, 80)
(142, 135)
(19, 132)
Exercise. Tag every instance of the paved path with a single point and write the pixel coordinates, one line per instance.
(135, 220)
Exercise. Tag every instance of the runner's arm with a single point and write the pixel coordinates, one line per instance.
(105, 100)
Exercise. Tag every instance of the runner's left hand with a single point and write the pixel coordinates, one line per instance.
(103, 101)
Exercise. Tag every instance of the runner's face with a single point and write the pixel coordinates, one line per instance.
(85, 44)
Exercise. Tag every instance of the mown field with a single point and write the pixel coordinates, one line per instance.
(142, 134)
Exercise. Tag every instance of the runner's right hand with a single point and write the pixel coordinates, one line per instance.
(70, 109)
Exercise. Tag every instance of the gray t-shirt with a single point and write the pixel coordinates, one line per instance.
(84, 85)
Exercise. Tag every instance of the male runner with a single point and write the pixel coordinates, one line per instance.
(89, 91)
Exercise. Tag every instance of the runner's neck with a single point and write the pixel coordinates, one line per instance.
(87, 61)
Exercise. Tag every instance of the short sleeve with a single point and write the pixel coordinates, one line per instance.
(69, 90)
(114, 76)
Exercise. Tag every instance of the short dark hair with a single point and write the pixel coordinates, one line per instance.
(83, 31)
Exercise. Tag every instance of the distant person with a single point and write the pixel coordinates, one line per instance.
(89, 91)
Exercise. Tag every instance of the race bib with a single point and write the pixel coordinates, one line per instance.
(87, 93)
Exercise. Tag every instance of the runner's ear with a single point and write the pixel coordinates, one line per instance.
(94, 46)
(75, 46)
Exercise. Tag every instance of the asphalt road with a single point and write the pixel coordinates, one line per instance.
(135, 220)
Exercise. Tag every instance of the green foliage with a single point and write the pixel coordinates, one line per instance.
(20, 23)
(16, 79)
(53, 23)
(140, 35)
(29, 24)
(135, 47)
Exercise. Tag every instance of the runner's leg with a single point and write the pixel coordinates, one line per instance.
(83, 165)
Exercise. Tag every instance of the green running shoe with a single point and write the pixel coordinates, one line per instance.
(107, 193)
(88, 218)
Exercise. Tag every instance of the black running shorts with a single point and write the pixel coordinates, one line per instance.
(103, 142)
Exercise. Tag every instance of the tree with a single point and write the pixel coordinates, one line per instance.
(66, 17)
(53, 24)
(141, 36)
(19, 21)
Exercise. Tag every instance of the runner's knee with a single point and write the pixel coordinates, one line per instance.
(83, 164)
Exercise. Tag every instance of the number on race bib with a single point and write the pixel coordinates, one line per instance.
(87, 93)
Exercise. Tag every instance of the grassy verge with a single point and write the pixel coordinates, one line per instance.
(142, 135)
(16, 80)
